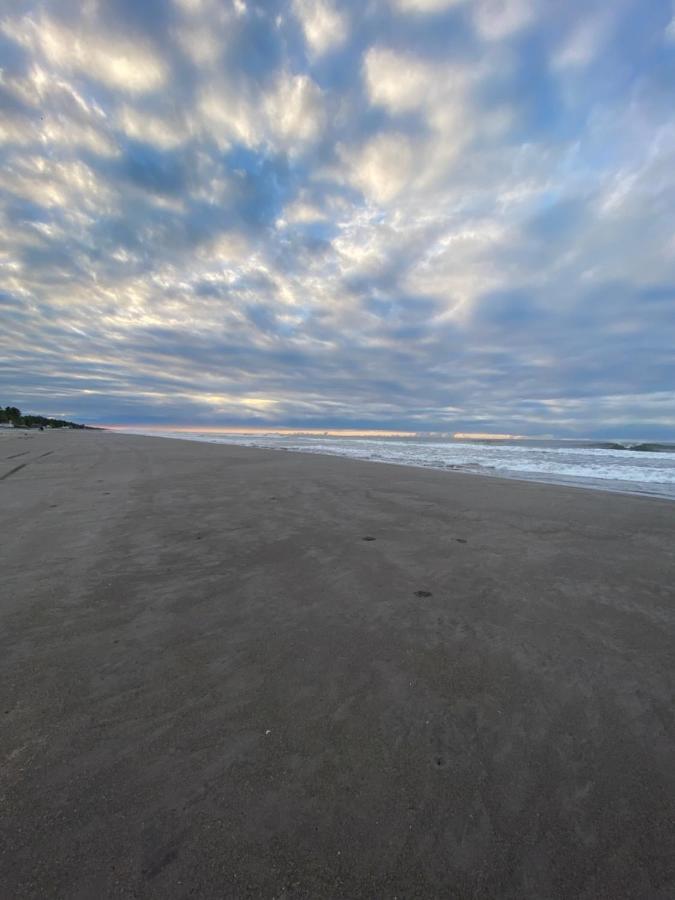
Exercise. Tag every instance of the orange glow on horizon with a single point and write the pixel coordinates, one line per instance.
(193, 429)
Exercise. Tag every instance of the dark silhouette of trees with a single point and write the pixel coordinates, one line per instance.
(13, 415)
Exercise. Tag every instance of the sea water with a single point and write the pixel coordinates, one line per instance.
(618, 466)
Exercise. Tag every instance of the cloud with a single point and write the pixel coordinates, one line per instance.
(436, 93)
(427, 6)
(401, 83)
(670, 28)
(382, 166)
(498, 19)
(418, 213)
(149, 127)
(114, 60)
(295, 111)
(583, 43)
(325, 27)
(493, 19)
(290, 115)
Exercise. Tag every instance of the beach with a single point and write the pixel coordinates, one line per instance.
(231, 672)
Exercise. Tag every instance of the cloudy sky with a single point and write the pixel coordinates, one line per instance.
(417, 214)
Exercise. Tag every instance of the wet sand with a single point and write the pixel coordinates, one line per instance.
(214, 686)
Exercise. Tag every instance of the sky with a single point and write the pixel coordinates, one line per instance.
(453, 215)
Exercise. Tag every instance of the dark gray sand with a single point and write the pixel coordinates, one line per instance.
(213, 685)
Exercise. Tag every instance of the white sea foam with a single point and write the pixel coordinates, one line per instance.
(557, 462)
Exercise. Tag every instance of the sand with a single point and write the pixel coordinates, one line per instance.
(214, 686)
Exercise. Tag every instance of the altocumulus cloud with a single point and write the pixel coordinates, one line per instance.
(426, 214)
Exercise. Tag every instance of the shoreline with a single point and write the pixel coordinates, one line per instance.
(577, 483)
(240, 673)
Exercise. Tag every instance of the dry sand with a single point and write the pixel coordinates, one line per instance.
(213, 686)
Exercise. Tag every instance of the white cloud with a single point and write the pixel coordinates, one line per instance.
(670, 28)
(61, 116)
(324, 26)
(231, 248)
(399, 82)
(191, 6)
(16, 131)
(202, 45)
(295, 111)
(68, 185)
(403, 84)
(60, 130)
(228, 114)
(382, 166)
(583, 45)
(426, 6)
(118, 62)
(289, 117)
(493, 19)
(498, 19)
(140, 125)
(302, 211)
(459, 264)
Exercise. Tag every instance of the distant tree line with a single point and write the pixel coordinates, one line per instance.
(15, 417)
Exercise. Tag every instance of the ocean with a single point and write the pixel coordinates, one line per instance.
(628, 467)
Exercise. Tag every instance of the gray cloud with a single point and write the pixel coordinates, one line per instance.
(382, 215)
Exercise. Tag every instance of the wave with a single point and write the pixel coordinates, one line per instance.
(652, 448)
(610, 465)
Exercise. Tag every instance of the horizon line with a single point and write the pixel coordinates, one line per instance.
(343, 432)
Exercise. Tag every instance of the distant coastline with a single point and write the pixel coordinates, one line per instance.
(12, 417)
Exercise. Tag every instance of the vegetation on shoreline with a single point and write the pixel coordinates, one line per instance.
(12, 415)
